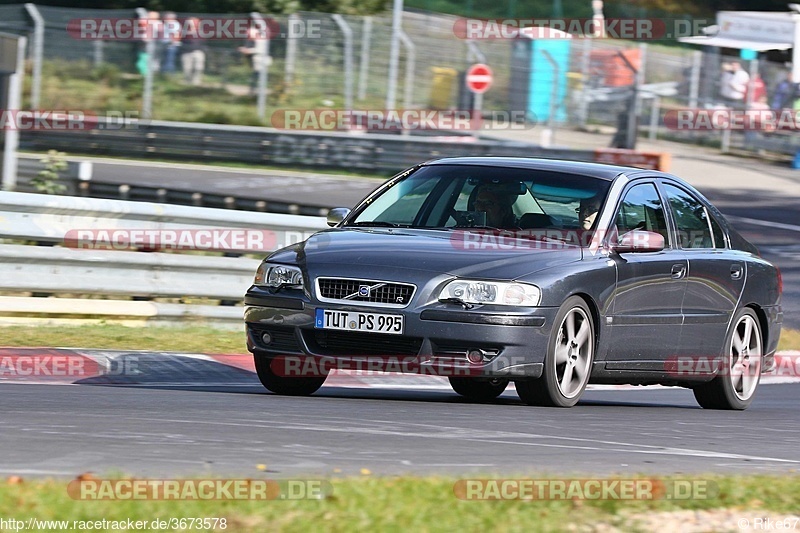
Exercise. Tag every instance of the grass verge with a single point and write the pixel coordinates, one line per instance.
(116, 337)
(180, 339)
(790, 340)
(402, 503)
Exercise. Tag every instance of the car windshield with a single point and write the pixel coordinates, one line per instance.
(467, 196)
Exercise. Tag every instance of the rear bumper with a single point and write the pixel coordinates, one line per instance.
(774, 315)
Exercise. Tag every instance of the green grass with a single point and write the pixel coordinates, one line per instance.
(790, 340)
(184, 338)
(116, 337)
(396, 504)
(73, 85)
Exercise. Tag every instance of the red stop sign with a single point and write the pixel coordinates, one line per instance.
(479, 78)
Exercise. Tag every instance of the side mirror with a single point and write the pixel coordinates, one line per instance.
(336, 215)
(639, 240)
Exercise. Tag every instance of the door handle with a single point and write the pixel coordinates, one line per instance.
(678, 271)
(736, 271)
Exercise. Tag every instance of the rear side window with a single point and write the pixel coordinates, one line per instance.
(696, 227)
(641, 209)
(716, 231)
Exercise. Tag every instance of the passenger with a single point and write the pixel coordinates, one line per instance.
(587, 212)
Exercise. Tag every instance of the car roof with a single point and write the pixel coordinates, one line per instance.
(595, 170)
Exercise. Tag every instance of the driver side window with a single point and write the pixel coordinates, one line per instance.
(641, 208)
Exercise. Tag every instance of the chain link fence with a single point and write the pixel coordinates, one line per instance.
(318, 60)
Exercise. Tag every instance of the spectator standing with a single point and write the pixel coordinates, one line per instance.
(193, 53)
(733, 84)
(785, 93)
(256, 49)
(170, 42)
(759, 89)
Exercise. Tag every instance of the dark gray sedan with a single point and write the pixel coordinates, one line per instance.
(551, 274)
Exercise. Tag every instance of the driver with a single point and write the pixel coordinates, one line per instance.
(497, 206)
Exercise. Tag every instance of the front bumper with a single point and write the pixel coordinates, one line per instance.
(437, 336)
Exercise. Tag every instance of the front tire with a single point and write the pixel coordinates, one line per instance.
(285, 385)
(739, 377)
(568, 362)
(478, 390)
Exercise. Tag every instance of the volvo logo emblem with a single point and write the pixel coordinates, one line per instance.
(363, 291)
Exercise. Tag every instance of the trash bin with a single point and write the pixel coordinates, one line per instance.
(442, 87)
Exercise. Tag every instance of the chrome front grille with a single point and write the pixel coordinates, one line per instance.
(364, 291)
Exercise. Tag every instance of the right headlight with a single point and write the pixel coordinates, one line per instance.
(492, 292)
(272, 275)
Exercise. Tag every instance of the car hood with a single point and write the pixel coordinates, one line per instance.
(460, 253)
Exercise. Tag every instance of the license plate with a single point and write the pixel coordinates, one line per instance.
(355, 321)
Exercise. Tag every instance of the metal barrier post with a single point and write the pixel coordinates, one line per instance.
(654, 115)
(150, 49)
(261, 102)
(366, 34)
(725, 144)
(38, 48)
(14, 102)
(291, 49)
(97, 52)
(694, 82)
(640, 76)
(474, 53)
(394, 53)
(348, 59)
(411, 60)
(583, 105)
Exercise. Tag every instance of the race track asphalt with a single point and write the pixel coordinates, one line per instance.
(64, 430)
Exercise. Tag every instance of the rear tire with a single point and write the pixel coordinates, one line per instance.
(739, 377)
(568, 362)
(287, 386)
(479, 390)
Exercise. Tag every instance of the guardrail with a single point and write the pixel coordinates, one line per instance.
(29, 166)
(87, 248)
(79, 180)
(380, 153)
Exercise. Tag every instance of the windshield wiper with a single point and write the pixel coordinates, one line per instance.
(459, 301)
(377, 223)
(477, 227)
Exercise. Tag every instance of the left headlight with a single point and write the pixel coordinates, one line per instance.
(270, 275)
(492, 292)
